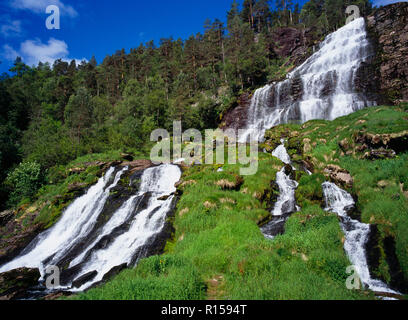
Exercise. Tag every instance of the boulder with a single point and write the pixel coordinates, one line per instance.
(15, 283)
(339, 175)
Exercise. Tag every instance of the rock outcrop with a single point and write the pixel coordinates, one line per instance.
(236, 117)
(15, 283)
(388, 27)
(339, 176)
(295, 43)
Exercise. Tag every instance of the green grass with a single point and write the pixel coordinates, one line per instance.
(386, 206)
(217, 234)
(218, 250)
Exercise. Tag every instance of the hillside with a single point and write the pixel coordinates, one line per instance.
(219, 252)
(80, 190)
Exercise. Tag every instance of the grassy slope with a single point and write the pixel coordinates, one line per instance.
(218, 251)
(222, 254)
(381, 185)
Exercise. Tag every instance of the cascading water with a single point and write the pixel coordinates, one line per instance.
(74, 225)
(321, 88)
(356, 234)
(76, 239)
(286, 203)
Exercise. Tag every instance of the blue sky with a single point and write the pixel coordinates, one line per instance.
(99, 27)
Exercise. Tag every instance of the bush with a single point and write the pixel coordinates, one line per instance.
(24, 181)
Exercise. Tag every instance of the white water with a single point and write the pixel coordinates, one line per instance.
(356, 234)
(77, 221)
(286, 203)
(75, 224)
(160, 181)
(327, 79)
(281, 153)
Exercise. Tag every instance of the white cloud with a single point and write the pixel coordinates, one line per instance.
(34, 51)
(39, 6)
(9, 53)
(11, 28)
(378, 3)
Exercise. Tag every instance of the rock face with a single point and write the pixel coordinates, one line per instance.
(237, 117)
(388, 26)
(294, 43)
(14, 283)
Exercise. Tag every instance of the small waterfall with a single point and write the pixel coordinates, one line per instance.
(321, 88)
(286, 203)
(356, 234)
(76, 241)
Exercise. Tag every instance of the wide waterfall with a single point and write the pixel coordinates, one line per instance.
(92, 248)
(356, 234)
(321, 88)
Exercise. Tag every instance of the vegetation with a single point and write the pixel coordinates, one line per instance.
(380, 185)
(56, 120)
(53, 114)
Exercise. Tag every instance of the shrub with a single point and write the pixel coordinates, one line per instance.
(24, 181)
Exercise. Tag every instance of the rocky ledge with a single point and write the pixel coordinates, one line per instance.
(14, 283)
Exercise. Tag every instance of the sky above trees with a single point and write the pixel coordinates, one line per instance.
(99, 27)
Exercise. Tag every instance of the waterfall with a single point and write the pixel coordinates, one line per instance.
(323, 87)
(286, 203)
(121, 240)
(356, 235)
(74, 225)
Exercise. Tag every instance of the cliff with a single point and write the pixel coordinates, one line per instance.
(388, 27)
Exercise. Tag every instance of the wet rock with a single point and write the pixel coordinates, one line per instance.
(339, 175)
(57, 295)
(15, 283)
(138, 165)
(398, 280)
(11, 246)
(79, 282)
(236, 117)
(5, 217)
(164, 198)
(114, 271)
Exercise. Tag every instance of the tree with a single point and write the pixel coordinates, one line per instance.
(78, 115)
